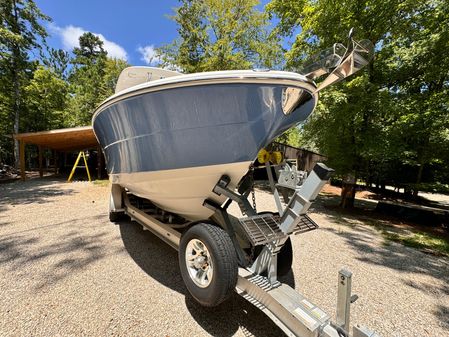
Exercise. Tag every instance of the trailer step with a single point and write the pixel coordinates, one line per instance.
(265, 228)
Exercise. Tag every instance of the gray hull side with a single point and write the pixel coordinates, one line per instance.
(193, 126)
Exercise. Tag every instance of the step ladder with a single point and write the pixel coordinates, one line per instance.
(75, 166)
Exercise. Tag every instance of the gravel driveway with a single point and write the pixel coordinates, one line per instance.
(66, 271)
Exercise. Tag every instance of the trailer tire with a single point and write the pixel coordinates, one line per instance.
(116, 216)
(210, 269)
(285, 258)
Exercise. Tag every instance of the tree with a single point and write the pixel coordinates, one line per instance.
(46, 100)
(419, 74)
(90, 50)
(291, 137)
(375, 124)
(220, 35)
(92, 79)
(20, 33)
(57, 60)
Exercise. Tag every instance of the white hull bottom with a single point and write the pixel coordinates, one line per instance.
(182, 191)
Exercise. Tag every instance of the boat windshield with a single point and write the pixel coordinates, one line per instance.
(324, 61)
(338, 56)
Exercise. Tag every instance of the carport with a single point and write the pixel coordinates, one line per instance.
(59, 140)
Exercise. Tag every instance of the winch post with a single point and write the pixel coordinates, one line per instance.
(344, 299)
(290, 216)
(302, 199)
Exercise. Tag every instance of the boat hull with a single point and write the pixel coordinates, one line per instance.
(171, 145)
(181, 191)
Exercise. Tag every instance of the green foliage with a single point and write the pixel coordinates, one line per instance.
(46, 100)
(57, 61)
(291, 137)
(92, 79)
(221, 35)
(419, 240)
(20, 32)
(46, 93)
(90, 51)
(390, 122)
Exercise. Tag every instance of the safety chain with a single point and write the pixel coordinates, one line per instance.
(253, 193)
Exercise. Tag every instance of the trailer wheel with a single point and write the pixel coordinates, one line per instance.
(208, 264)
(116, 216)
(285, 258)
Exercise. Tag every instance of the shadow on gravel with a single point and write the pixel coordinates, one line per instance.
(442, 312)
(57, 258)
(160, 262)
(39, 190)
(394, 256)
(2, 221)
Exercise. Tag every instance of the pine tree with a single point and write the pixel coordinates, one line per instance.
(20, 33)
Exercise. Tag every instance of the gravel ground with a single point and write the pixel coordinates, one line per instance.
(66, 271)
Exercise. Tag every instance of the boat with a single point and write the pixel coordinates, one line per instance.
(169, 137)
(170, 140)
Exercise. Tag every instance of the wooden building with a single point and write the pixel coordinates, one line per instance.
(60, 142)
(305, 159)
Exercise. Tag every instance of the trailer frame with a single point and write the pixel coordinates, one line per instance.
(287, 308)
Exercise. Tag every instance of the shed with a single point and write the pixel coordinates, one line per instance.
(306, 159)
(59, 140)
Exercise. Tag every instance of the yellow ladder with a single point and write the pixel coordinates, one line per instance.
(81, 154)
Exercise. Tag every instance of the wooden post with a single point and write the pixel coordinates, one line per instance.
(56, 158)
(22, 159)
(41, 172)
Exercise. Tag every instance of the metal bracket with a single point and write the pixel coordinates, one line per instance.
(267, 260)
(116, 199)
(221, 188)
(277, 199)
(303, 198)
(290, 177)
(241, 255)
(361, 331)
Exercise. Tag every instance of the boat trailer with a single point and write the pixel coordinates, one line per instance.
(257, 280)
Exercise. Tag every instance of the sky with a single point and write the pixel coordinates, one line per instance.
(130, 30)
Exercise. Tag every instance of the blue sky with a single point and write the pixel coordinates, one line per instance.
(129, 29)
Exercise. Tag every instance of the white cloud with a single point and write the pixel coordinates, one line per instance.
(149, 55)
(70, 38)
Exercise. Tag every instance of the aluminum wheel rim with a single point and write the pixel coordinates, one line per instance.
(199, 263)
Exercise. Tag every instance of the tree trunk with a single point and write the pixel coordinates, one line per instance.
(16, 85)
(348, 191)
(16, 119)
(418, 180)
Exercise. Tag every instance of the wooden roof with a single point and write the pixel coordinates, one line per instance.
(61, 139)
